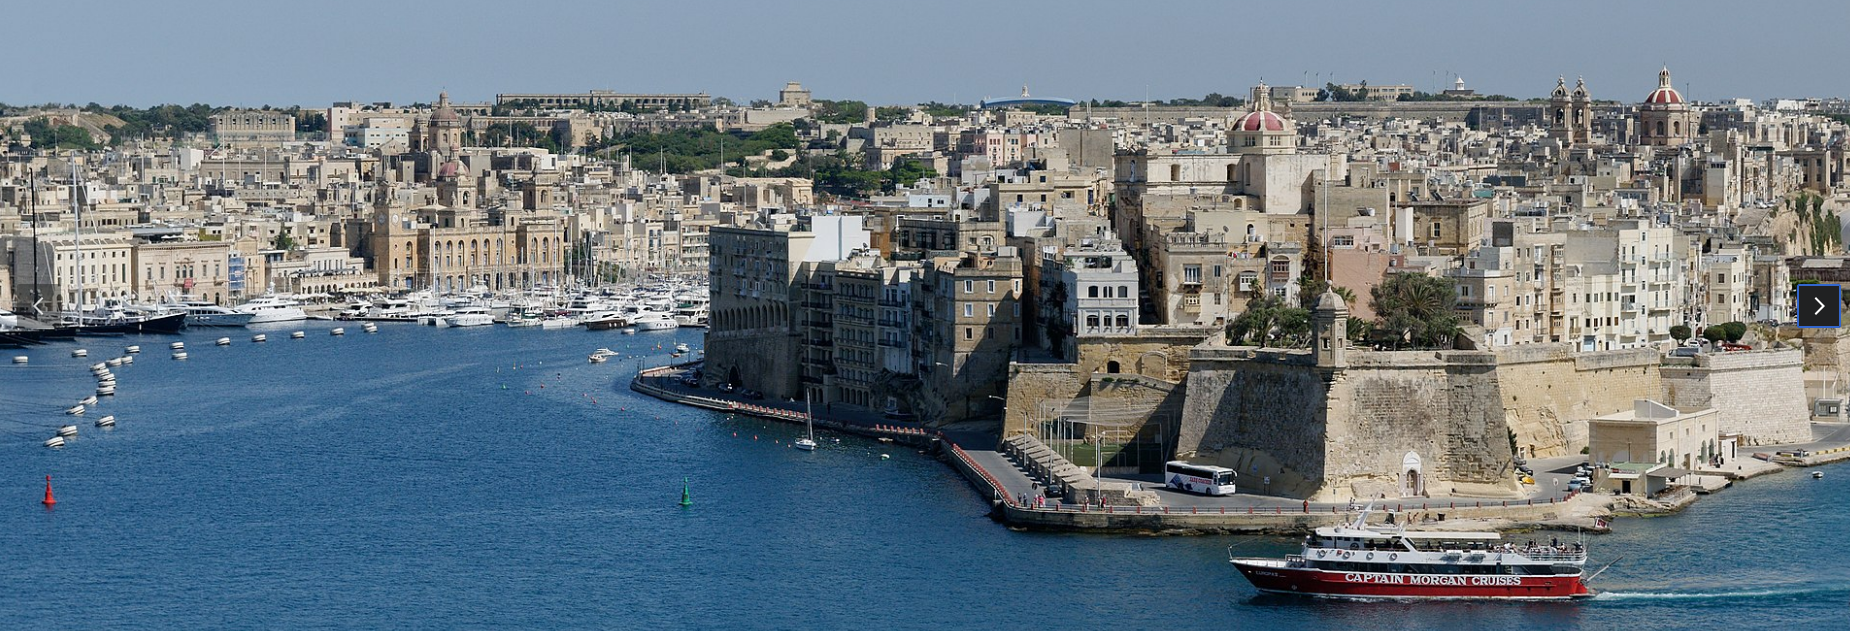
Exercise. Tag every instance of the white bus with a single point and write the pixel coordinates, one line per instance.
(1203, 479)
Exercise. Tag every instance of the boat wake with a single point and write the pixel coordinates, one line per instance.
(1735, 595)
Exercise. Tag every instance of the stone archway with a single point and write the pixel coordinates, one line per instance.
(1412, 476)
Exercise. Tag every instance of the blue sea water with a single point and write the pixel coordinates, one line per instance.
(428, 478)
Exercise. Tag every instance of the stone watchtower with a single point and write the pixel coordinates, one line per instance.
(1329, 323)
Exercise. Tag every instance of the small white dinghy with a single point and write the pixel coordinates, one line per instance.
(107, 421)
(20, 359)
(223, 341)
(180, 355)
(133, 349)
(54, 442)
(99, 367)
(89, 400)
(80, 353)
(338, 331)
(1817, 475)
(106, 391)
(67, 431)
(115, 362)
(75, 410)
(297, 335)
(260, 338)
(178, 346)
(128, 359)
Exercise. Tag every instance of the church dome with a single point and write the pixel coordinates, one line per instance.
(1263, 120)
(443, 112)
(1664, 94)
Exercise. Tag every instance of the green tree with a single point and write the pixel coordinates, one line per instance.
(779, 155)
(838, 112)
(1734, 330)
(1416, 309)
(1715, 333)
(1267, 321)
(283, 242)
(1679, 333)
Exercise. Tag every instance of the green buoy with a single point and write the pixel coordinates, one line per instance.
(687, 499)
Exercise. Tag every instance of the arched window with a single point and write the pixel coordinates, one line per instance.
(1092, 321)
(1660, 128)
(1124, 321)
(1113, 367)
(1676, 128)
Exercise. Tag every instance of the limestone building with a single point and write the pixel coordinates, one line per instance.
(1570, 115)
(251, 128)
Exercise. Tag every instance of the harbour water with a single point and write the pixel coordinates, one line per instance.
(488, 477)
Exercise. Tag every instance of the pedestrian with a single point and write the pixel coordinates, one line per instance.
(1306, 506)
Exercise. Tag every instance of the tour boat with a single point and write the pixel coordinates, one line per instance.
(1362, 561)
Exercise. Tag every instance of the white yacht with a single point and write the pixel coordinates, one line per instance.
(266, 309)
(468, 316)
(199, 313)
(653, 321)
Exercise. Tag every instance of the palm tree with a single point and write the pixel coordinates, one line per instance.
(1416, 309)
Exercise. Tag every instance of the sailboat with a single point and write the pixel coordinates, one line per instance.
(808, 443)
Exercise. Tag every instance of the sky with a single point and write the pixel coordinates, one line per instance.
(244, 53)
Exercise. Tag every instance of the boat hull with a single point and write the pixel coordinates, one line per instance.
(167, 323)
(1271, 576)
(218, 319)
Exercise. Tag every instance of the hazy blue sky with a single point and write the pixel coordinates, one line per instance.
(310, 53)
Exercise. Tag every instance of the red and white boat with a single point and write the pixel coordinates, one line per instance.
(1362, 561)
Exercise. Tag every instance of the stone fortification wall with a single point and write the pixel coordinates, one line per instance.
(1037, 392)
(766, 363)
(1411, 423)
(1759, 394)
(1261, 412)
(1549, 392)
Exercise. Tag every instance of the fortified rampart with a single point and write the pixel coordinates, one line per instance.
(1411, 423)
(1758, 394)
(1551, 390)
(1393, 424)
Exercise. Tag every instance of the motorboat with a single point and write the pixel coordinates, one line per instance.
(296, 335)
(180, 355)
(654, 321)
(54, 442)
(223, 341)
(80, 353)
(107, 421)
(114, 318)
(200, 313)
(337, 331)
(75, 410)
(260, 338)
(468, 316)
(89, 400)
(681, 348)
(67, 431)
(605, 321)
(267, 309)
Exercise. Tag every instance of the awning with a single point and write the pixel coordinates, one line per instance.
(1668, 472)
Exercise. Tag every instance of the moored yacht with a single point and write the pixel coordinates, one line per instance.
(653, 321)
(207, 314)
(266, 309)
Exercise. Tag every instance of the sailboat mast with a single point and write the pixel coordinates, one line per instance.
(78, 210)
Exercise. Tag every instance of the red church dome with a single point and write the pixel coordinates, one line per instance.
(1261, 121)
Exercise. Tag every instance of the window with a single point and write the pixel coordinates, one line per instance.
(1435, 230)
(1124, 291)
(1092, 292)
(1247, 280)
(969, 333)
(992, 286)
(969, 310)
(992, 309)
(969, 286)
(1191, 274)
(1092, 321)
(1343, 241)
(1217, 271)
(1124, 321)
(1175, 172)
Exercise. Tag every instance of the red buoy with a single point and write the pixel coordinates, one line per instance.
(49, 500)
